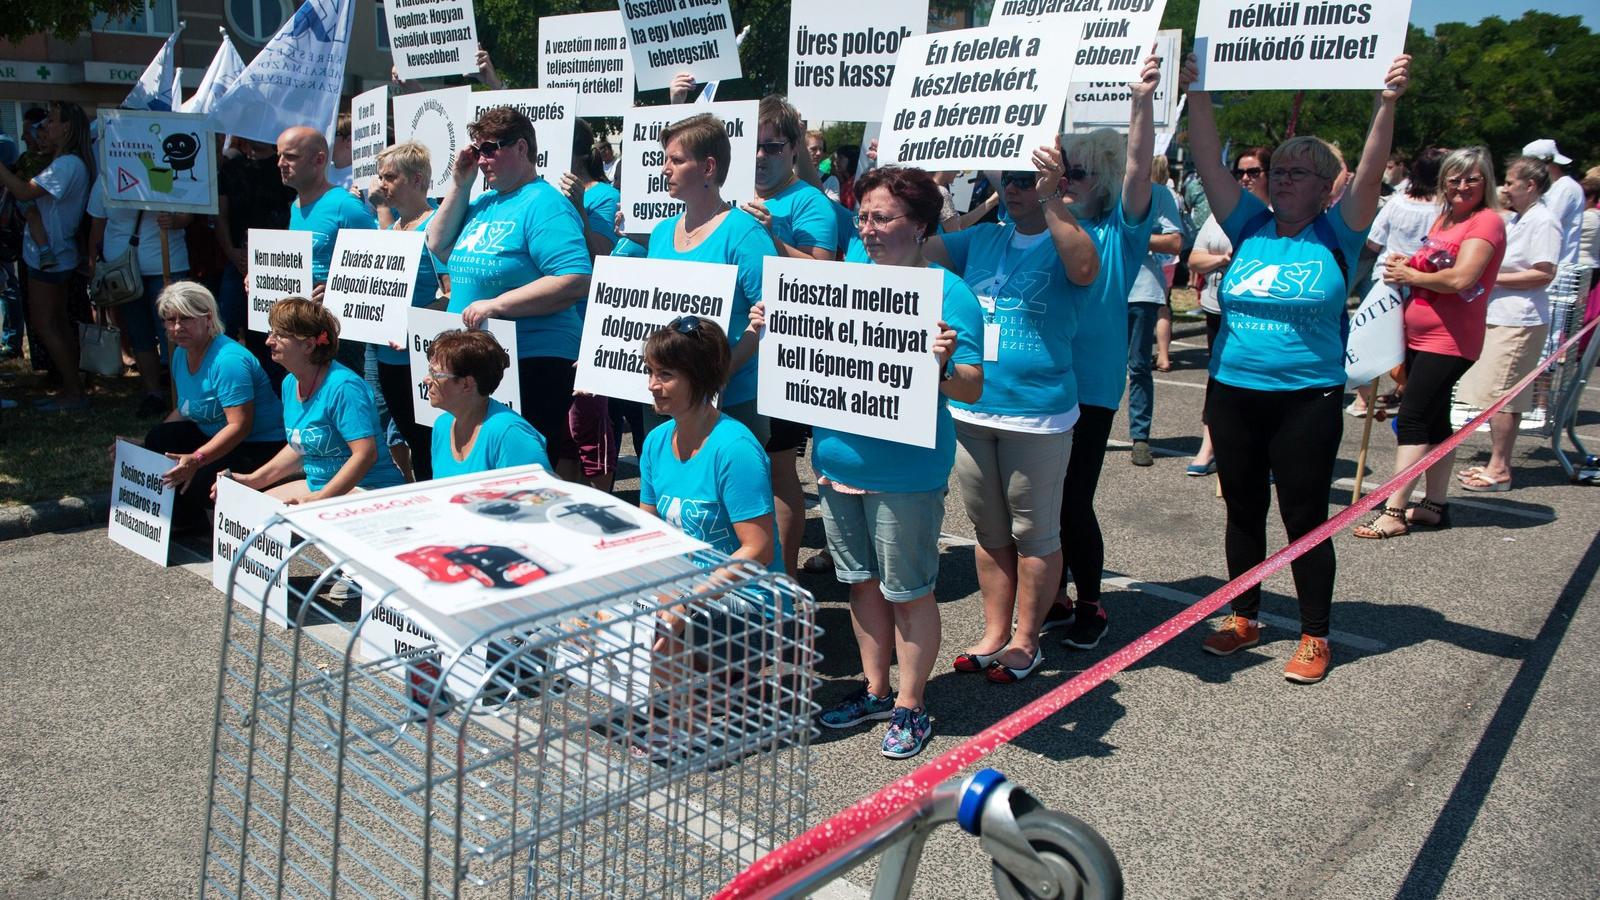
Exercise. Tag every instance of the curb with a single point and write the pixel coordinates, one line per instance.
(54, 515)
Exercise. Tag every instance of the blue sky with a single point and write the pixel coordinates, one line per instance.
(1428, 13)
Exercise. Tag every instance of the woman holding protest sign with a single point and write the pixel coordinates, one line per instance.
(1277, 375)
(882, 501)
(474, 432)
(517, 252)
(1014, 442)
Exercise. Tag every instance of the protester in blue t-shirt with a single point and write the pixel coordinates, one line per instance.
(517, 252)
(329, 415)
(321, 209)
(1276, 393)
(475, 433)
(227, 415)
(882, 501)
(1014, 442)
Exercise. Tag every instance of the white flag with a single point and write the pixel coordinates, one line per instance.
(220, 75)
(157, 88)
(296, 79)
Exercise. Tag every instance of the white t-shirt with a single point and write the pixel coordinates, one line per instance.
(1150, 285)
(830, 187)
(1212, 239)
(1531, 238)
(1400, 227)
(66, 185)
(1565, 200)
(1589, 245)
(119, 229)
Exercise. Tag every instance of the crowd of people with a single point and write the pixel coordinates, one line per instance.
(1056, 298)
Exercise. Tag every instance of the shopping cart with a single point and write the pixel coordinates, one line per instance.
(637, 731)
(1573, 369)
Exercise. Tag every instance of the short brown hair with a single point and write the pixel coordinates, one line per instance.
(782, 116)
(308, 320)
(506, 125)
(911, 186)
(705, 137)
(696, 348)
(341, 125)
(1530, 168)
(472, 354)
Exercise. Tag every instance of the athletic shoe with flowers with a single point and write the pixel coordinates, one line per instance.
(908, 733)
(859, 707)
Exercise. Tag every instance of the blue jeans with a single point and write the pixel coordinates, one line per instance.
(1141, 384)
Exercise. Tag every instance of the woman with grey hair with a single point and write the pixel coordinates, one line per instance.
(227, 415)
(1277, 374)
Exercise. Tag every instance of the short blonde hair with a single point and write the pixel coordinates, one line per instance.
(189, 299)
(1159, 171)
(1472, 161)
(1104, 153)
(411, 158)
(1323, 157)
(704, 137)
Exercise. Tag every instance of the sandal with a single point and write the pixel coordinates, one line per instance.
(975, 662)
(1000, 673)
(1370, 530)
(1440, 511)
(1482, 484)
(1469, 472)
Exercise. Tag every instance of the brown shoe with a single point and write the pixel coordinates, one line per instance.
(1309, 664)
(1237, 633)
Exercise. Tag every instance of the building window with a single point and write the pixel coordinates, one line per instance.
(156, 17)
(256, 21)
(383, 29)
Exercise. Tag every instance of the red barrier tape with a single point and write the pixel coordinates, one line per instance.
(823, 845)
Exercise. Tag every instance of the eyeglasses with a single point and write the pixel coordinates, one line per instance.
(1293, 173)
(876, 220)
(1464, 181)
(490, 148)
(1251, 172)
(438, 377)
(1074, 173)
(771, 148)
(685, 325)
(1019, 180)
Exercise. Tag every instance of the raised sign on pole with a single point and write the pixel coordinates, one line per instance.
(842, 55)
(1114, 36)
(1253, 46)
(427, 324)
(1377, 341)
(588, 52)
(437, 120)
(645, 200)
(370, 283)
(671, 36)
(280, 266)
(431, 38)
(241, 513)
(369, 134)
(1109, 104)
(141, 504)
(158, 161)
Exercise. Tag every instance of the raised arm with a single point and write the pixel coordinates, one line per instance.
(1141, 141)
(1222, 191)
(1361, 199)
(452, 214)
(1072, 242)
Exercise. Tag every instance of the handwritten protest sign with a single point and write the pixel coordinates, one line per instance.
(1113, 35)
(1254, 46)
(1377, 341)
(437, 120)
(427, 324)
(158, 161)
(850, 347)
(976, 99)
(645, 200)
(369, 134)
(552, 113)
(280, 266)
(842, 55)
(671, 36)
(370, 283)
(1108, 104)
(588, 53)
(141, 505)
(241, 512)
(430, 38)
(629, 299)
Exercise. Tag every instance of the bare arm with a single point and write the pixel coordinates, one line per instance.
(1170, 244)
(1471, 260)
(1141, 141)
(22, 190)
(550, 294)
(1222, 191)
(976, 214)
(1072, 242)
(240, 419)
(363, 454)
(966, 381)
(452, 214)
(1205, 262)
(281, 467)
(1361, 199)
(1540, 275)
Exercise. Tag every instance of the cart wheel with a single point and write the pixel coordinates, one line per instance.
(1080, 858)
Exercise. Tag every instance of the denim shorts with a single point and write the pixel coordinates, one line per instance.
(892, 537)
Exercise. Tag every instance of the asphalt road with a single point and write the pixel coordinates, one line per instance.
(1450, 753)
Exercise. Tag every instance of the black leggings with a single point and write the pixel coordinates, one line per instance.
(189, 506)
(1294, 437)
(546, 398)
(1424, 416)
(1083, 549)
(400, 392)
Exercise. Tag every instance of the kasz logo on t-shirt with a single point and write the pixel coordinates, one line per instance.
(1294, 281)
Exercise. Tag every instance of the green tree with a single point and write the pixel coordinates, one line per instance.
(65, 19)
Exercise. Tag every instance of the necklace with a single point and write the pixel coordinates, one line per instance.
(304, 395)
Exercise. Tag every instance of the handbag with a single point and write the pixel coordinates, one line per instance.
(119, 281)
(100, 349)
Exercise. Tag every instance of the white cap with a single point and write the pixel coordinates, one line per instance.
(1546, 149)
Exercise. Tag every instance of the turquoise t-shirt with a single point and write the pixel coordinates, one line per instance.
(740, 241)
(1283, 304)
(1036, 307)
(874, 464)
(504, 439)
(1100, 348)
(321, 429)
(803, 217)
(423, 293)
(331, 212)
(229, 376)
(849, 234)
(512, 240)
(729, 480)
(626, 246)
(600, 203)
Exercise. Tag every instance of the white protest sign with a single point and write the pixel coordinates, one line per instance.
(588, 52)
(1109, 104)
(158, 161)
(1377, 341)
(1163, 143)
(241, 512)
(961, 191)
(850, 347)
(1113, 35)
(869, 136)
(370, 283)
(369, 134)
(430, 38)
(842, 55)
(1254, 46)
(280, 266)
(629, 299)
(141, 505)
(552, 113)
(644, 192)
(437, 120)
(671, 36)
(427, 324)
(981, 98)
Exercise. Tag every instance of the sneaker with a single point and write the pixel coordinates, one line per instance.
(1236, 634)
(1087, 629)
(344, 588)
(151, 406)
(1141, 454)
(857, 708)
(909, 730)
(1059, 616)
(1309, 664)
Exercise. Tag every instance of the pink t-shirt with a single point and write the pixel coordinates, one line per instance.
(1445, 323)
